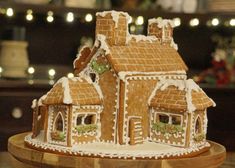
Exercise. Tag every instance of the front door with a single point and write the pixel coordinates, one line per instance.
(135, 131)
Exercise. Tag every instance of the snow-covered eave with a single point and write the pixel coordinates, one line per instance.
(161, 22)
(187, 85)
(123, 74)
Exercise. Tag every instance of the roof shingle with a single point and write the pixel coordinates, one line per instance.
(79, 92)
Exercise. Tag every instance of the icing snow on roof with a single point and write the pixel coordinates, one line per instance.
(161, 22)
(179, 95)
(141, 38)
(77, 91)
(101, 43)
(115, 15)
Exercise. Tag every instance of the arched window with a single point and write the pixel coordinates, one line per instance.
(198, 126)
(59, 123)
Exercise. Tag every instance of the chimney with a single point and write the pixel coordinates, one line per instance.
(161, 28)
(113, 25)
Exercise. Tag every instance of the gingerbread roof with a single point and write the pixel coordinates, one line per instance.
(141, 54)
(76, 91)
(145, 55)
(179, 96)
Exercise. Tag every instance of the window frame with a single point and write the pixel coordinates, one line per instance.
(84, 115)
(157, 119)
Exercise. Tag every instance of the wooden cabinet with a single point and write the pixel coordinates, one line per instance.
(15, 107)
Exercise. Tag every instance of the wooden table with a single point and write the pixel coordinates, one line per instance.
(212, 159)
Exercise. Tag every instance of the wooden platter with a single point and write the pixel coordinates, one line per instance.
(210, 159)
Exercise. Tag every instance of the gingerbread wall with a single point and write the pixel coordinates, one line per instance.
(114, 35)
(203, 117)
(137, 94)
(76, 139)
(108, 84)
(176, 139)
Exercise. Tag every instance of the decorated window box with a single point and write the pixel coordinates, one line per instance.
(82, 129)
(58, 136)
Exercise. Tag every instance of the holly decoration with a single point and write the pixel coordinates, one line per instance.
(99, 68)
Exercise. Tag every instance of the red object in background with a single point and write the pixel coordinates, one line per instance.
(223, 77)
(218, 65)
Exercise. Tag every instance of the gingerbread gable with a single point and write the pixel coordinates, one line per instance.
(179, 96)
(76, 91)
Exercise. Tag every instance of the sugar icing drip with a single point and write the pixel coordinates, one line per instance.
(141, 38)
(101, 40)
(187, 85)
(161, 22)
(65, 84)
(115, 16)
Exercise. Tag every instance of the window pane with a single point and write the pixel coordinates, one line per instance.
(88, 119)
(79, 119)
(59, 123)
(176, 120)
(93, 77)
(163, 118)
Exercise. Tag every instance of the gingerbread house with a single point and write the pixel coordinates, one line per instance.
(136, 86)
(69, 113)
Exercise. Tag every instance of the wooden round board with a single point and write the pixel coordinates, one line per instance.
(212, 158)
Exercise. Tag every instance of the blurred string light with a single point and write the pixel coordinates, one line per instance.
(139, 20)
(9, 12)
(215, 22)
(70, 17)
(51, 73)
(31, 70)
(88, 17)
(29, 15)
(50, 17)
(177, 22)
(232, 22)
(70, 75)
(132, 28)
(194, 22)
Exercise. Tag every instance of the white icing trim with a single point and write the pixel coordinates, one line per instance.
(161, 22)
(51, 120)
(149, 150)
(34, 103)
(139, 38)
(187, 85)
(65, 84)
(58, 114)
(122, 75)
(181, 135)
(102, 44)
(79, 54)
